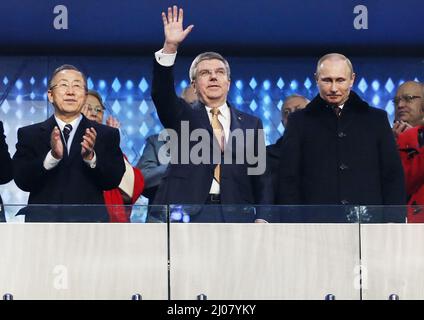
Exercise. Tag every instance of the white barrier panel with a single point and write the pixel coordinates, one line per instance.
(393, 258)
(83, 261)
(264, 261)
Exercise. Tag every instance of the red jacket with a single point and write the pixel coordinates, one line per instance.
(412, 156)
(114, 201)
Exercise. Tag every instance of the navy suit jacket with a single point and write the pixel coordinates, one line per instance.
(72, 181)
(190, 183)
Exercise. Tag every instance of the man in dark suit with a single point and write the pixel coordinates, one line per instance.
(67, 159)
(6, 168)
(213, 182)
(339, 150)
(291, 104)
(153, 169)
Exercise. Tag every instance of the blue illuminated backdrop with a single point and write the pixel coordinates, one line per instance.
(259, 87)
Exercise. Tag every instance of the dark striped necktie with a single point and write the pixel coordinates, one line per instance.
(66, 132)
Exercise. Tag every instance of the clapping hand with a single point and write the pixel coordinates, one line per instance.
(113, 122)
(56, 144)
(87, 144)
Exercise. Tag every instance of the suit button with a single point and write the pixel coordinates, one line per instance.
(344, 202)
(342, 134)
(343, 167)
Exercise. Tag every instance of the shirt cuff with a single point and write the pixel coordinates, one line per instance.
(50, 162)
(92, 163)
(165, 59)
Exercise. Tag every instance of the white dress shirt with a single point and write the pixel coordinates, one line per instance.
(50, 162)
(224, 117)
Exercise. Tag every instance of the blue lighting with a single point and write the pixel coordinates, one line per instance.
(143, 85)
(266, 85)
(280, 105)
(102, 84)
(116, 85)
(19, 99)
(253, 83)
(294, 85)
(183, 84)
(239, 84)
(239, 100)
(253, 106)
(389, 85)
(267, 99)
(375, 85)
(143, 107)
(19, 84)
(376, 100)
(129, 84)
(362, 85)
(280, 83)
(90, 84)
(307, 83)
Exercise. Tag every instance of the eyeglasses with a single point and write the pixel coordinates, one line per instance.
(94, 109)
(65, 86)
(405, 97)
(207, 73)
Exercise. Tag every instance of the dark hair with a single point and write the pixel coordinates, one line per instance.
(66, 67)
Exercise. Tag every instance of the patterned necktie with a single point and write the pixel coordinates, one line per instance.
(218, 131)
(337, 111)
(66, 132)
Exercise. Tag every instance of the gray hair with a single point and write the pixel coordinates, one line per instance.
(97, 96)
(295, 95)
(207, 56)
(334, 56)
(66, 67)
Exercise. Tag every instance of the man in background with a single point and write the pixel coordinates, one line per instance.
(118, 200)
(291, 104)
(409, 129)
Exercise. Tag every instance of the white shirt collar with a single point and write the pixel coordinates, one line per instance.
(224, 110)
(74, 123)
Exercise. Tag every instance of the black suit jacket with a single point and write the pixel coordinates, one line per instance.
(6, 168)
(72, 181)
(348, 160)
(190, 183)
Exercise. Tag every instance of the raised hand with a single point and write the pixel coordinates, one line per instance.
(56, 144)
(87, 144)
(173, 29)
(112, 122)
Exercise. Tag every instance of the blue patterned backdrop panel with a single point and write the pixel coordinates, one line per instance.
(259, 87)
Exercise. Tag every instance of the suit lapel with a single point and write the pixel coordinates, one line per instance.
(202, 115)
(76, 142)
(46, 129)
(236, 119)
